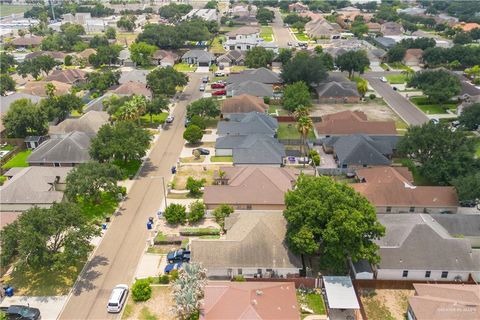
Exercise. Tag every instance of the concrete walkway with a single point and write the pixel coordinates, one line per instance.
(149, 266)
(49, 307)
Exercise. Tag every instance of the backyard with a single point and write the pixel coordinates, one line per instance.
(386, 304)
(216, 46)
(288, 130)
(19, 160)
(277, 110)
(313, 301)
(266, 33)
(6, 10)
(427, 107)
(157, 307)
(197, 172)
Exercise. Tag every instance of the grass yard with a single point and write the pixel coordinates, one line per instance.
(157, 119)
(157, 307)
(8, 147)
(192, 160)
(129, 168)
(19, 160)
(217, 45)
(277, 110)
(237, 68)
(197, 172)
(221, 159)
(126, 38)
(396, 78)
(312, 301)
(289, 131)
(428, 108)
(302, 37)
(398, 66)
(477, 152)
(266, 32)
(99, 211)
(184, 67)
(8, 9)
(2, 180)
(386, 304)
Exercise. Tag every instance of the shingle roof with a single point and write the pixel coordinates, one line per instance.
(243, 103)
(250, 87)
(388, 186)
(413, 242)
(72, 148)
(38, 88)
(251, 185)
(232, 56)
(27, 41)
(459, 224)
(320, 27)
(54, 54)
(253, 149)
(246, 30)
(86, 53)
(336, 89)
(262, 75)
(131, 87)
(201, 55)
(6, 101)
(413, 54)
(254, 239)
(89, 123)
(162, 54)
(248, 123)
(353, 122)
(134, 76)
(33, 185)
(70, 76)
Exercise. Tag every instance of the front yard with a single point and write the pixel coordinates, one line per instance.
(184, 67)
(155, 121)
(386, 304)
(266, 33)
(19, 160)
(427, 107)
(288, 130)
(157, 307)
(396, 78)
(235, 69)
(99, 211)
(221, 159)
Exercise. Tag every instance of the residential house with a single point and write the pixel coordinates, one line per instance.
(254, 246)
(322, 29)
(337, 89)
(130, 88)
(391, 190)
(165, 58)
(345, 18)
(244, 103)
(243, 13)
(251, 149)
(352, 122)
(466, 226)
(356, 151)
(250, 188)
(20, 80)
(64, 151)
(243, 38)
(138, 76)
(31, 142)
(391, 29)
(7, 217)
(297, 7)
(374, 27)
(201, 58)
(85, 54)
(269, 46)
(6, 101)
(384, 43)
(89, 123)
(69, 76)
(32, 186)
(250, 300)
(231, 58)
(467, 27)
(262, 75)
(205, 14)
(250, 87)
(413, 57)
(341, 300)
(444, 302)
(248, 123)
(124, 58)
(467, 102)
(56, 55)
(376, 56)
(31, 41)
(38, 88)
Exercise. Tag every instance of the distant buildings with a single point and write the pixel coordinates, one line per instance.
(205, 14)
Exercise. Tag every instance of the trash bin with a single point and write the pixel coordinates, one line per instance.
(149, 225)
(104, 226)
(9, 291)
(174, 170)
(150, 219)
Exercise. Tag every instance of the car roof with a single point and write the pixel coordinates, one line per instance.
(116, 293)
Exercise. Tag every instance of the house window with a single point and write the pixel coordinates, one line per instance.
(389, 209)
(239, 271)
(427, 274)
(444, 274)
(259, 271)
(249, 207)
(56, 164)
(412, 209)
(405, 273)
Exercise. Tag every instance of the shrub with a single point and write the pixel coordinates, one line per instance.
(194, 186)
(266, 100)
(372, 96)
(173, 275)
(239, 278)
(221, 213)
(141, 290)
(315, 157)
(163, 239)
(197, 211)
(164, 279)
(198, 121)
(197, 232)
(68, 60)
(193, 134)
(176, 213)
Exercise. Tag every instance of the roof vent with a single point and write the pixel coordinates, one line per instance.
(259, 292)
(409, 186)
(254, 302)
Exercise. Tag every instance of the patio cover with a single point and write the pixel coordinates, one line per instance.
(340, 293)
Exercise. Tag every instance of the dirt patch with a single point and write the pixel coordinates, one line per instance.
(374, 110)
(386, 304)
(195, 171)
(158, 307)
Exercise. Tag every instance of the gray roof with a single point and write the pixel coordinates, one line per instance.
(33, 185)
(459, 224)
(262, 75)
(71, 148)
(254, 239)
(253, 149)
(200, 55)
(248, 123)
(6, 101)
(385, 41)
(134, 75)
(362, 149)
(336, 85)
(232, 56)
(416, 242)
(88, 123)
(253, 88)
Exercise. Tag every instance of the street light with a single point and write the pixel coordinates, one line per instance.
(164, 188)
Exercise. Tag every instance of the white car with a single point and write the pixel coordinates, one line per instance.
(219, 74)
(383, 79)
(117, 298)
(170, 119)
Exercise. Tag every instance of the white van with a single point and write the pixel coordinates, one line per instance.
(117, 298)
(219, 74)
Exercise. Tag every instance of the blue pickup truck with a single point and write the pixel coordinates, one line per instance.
(180, 255)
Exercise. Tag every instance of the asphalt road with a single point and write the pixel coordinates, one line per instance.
(402, 106)
(281, 34)
(118, 255)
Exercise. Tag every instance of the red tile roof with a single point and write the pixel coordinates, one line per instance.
(353, 122)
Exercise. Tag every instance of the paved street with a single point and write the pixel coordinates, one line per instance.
(281, 34)
(116, 259)
(402, 106)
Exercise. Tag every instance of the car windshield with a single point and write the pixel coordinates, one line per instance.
(112, 304)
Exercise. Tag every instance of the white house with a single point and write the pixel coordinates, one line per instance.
(243, 38)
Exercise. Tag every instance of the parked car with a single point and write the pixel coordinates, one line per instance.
(219, 73)
(187, 122)
(203, 152)
(19, 312)
(468, 203)
(394, 88)
(205, 79)
(219, 93)
(172, 266)
(202, 87)
(180, 255)
(217, 85)
(170, 119)
(117, 298)
(289, 44)
(383, 79)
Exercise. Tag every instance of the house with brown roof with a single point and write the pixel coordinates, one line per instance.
(38, 88)
(56, 55)
(88, 123)
(322, 29)
(374, 27)
(231, 58)
(69, 76)
(466, 27)
(165, 58)
(250, 300)
(250, 187)
(297, 7)
(337, 89)
(391, 29)
(352, 122)
(391, 190)
(31, 41)
(130, 88)
(413, 57)
(85, 54)
(243, 103)
(444, 302)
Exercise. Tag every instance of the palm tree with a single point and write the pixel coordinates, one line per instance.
(362, 87)
(128, 112)
(304, 125)
(50, 89)
(301, 111)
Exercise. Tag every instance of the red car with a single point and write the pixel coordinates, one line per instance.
(218, 85)
(219, 93)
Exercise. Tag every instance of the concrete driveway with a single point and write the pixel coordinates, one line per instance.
(49, 307)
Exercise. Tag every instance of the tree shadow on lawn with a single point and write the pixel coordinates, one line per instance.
(85, 282)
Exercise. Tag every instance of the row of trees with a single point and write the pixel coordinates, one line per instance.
(456, 56)
(397, 52)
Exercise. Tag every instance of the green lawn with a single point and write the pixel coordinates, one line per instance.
(396, 78)
(221, 159)
(384, 66)
(237, 68)
(288, 130)
(8, 147)
(2, 180)
(94, 211)
(217, 45)
(183, 67)
(277, 109)
(477, 153)
(6, 9)
(399, 66)
(129, 168)
(266, 32)
(157, 119)
(313, 301)
(423, 104)
(20, 160)
(301, 37)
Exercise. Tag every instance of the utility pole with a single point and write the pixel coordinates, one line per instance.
(164, 192)
(51, 8)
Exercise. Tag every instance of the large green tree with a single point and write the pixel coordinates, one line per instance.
(35, 66)
(164, 81)
(439, 85)
(141, 53)
(101, 81)
(330, 218)
(264, 15)
(6, 62)
(24, 118)
(305, 67)
(60, 107)
(353, 61)
(156, 106)
(470, 117)
(53, 238)
(468, 187)
(204, 107)
(258, 57)
(443, 155)
(193, 134)
(295, 95)
(106, 55)
(174, 12)
(6, 84)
